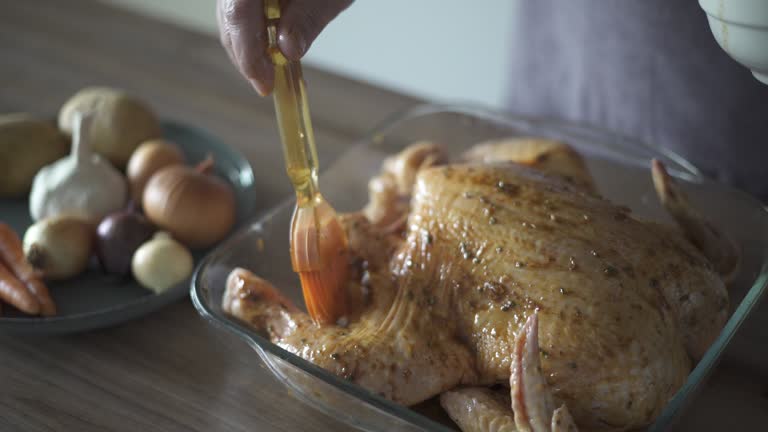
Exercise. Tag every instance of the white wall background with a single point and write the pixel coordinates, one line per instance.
(441, 50)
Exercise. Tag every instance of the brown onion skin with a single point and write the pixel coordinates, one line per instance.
(150, 157)
(197, 209)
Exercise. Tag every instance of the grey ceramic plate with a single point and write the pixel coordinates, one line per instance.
(94, 299)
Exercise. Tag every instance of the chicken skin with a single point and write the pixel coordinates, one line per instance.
(451, 262)
(478, 409)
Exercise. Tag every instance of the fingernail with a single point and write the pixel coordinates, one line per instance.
(292, 45)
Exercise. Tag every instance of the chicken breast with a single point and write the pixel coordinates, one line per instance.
(495, 242)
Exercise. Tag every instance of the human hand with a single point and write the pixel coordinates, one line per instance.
(243, 33)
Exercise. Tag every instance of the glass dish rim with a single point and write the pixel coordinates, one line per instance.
(682, 169)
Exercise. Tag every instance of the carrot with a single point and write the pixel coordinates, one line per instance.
(13, 292)
(12, 255)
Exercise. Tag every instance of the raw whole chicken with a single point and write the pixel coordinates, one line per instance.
(506, 268)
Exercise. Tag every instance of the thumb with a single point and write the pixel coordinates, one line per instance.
(302, 21)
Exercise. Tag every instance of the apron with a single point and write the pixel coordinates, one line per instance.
(650, 69)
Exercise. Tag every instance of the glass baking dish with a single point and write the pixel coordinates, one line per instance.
(621, 170)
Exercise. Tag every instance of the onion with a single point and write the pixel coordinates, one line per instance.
(161, 263)
(197, 208)
(117, 238)
(149, 158)
(59, 247)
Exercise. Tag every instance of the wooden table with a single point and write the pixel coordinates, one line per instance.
(171, 370)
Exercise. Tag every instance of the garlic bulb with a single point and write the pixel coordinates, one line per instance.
(161, 263)
(82, 184)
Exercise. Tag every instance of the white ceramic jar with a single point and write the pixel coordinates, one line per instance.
(741, 29)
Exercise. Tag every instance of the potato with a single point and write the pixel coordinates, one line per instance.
(26, 145)
(120, 122)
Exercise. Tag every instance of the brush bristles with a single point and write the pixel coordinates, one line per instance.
(319, 255)
(324, 291)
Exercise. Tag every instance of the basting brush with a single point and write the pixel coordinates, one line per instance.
(318, 242)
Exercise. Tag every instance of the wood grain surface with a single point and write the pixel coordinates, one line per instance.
(171, 371)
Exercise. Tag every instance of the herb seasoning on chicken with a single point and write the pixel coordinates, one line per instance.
(492, 276)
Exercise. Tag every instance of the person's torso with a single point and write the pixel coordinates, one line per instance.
(650, 69)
